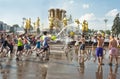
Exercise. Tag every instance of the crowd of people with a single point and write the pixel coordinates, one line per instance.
(12, 45)
(97, 48)
(24, 45)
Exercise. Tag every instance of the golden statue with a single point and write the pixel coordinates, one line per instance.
(65, 21)
(72, 33)
(51, 20)
(29, 23)
(38, 22)
(26, 24)
(77, 21)
(103, 34)
(85, 26)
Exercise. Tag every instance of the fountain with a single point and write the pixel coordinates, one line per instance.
(60, 25)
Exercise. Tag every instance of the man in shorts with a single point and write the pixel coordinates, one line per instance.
(82, 51)
(20, 47)
(113, 50)
(99, 50)
(45, 49)
(82, 46)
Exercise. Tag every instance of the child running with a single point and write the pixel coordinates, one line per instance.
(38, 46)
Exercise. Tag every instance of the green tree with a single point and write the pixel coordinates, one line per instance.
(89, 31)
(38, 30)
(11, 30)
(102, 31)
(15, 26)
(29, 30)
(108, 32)
(116, 25)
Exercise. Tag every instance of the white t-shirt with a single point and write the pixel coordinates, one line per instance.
(44, 36)
(95, 40)
(67, 40)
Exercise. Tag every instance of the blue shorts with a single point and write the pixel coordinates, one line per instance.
(27, 46)
(82, 47)
(38, 46)
(99, 52)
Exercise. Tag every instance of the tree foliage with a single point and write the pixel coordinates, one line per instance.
(108, 32)
(102, 31)
(15, 26)
(38, 30)
(11, 30)
(116, 25)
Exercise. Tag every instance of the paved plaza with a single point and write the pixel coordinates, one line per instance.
(58, 67)
(59, 39)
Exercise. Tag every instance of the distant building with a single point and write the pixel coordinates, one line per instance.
(1, 25)
(4, 27)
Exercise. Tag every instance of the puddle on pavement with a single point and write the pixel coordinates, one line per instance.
(11, 69)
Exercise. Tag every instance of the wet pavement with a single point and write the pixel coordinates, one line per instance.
(59, 66)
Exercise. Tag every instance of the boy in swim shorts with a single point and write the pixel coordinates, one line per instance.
(113, 52)
(99, 50)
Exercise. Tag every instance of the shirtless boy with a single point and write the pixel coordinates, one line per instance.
(113, 50)
(82, 50)
(82, 46)
(99, 50)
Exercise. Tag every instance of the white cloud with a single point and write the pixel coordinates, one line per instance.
(85, 6)
(64, 4)
(112, 13)
(88, 16)
(71, 1)
(95, 22)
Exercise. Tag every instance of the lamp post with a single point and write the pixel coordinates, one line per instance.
(105, 20)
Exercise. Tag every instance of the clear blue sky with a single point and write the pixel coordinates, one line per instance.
(95, 11)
